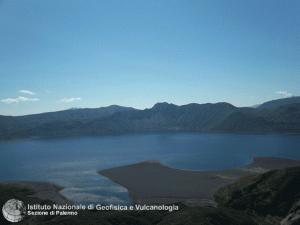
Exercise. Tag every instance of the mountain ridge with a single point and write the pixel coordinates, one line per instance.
(279, 102)
(222, 117)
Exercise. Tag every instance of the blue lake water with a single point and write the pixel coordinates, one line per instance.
(73, 162)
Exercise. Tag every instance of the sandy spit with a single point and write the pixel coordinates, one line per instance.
(153, 183)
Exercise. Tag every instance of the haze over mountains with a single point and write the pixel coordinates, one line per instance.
(273, 116)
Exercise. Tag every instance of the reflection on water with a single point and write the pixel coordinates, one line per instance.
(73, 162)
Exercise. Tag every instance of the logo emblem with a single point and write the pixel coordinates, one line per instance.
(14, 210)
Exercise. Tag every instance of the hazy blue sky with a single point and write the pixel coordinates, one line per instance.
(59, 54)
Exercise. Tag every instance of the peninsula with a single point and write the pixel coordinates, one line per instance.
(153, 183)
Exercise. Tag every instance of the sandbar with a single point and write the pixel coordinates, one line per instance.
(153, 183)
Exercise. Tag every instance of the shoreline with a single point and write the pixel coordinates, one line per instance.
(145, 131)
(151, 182)
(43, 190)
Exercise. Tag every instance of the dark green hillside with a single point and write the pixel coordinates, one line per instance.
(245, 122)
(274, 193)
(286, 113)
(284, 118)
(279, 102)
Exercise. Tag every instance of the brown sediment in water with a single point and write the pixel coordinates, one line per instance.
(153, 183)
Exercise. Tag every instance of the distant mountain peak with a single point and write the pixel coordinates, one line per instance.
(73, 108)
(162, 105)
(255, 106)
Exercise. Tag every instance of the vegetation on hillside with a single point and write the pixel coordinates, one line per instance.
(163, 116)
(274, 193)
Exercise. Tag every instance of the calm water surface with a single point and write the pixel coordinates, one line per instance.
(73, 162)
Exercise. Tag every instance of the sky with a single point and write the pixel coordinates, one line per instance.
(59, 54)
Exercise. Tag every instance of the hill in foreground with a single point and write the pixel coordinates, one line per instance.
(274, 193)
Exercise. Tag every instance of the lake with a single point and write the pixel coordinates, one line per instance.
(73, 162)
